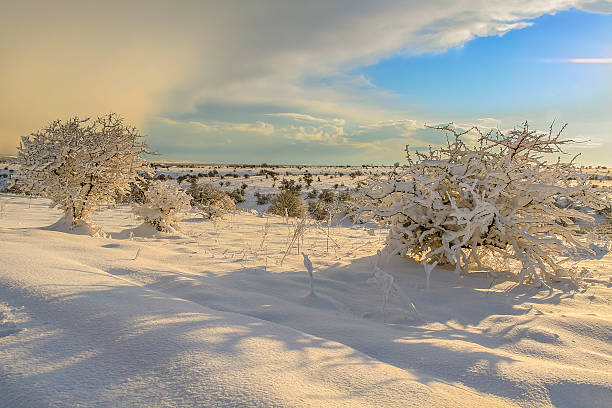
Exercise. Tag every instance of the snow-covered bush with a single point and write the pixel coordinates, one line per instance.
(288, 203)
(494, 199)
(164, 206)
(81, 164)
(211, 201)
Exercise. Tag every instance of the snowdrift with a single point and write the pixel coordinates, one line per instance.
(210, 318)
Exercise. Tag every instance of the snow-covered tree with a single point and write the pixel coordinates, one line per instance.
(496, 198)
(82, 164)
(164, 206)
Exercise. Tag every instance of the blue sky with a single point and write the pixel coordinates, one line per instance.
(320, 82)
(514, 74)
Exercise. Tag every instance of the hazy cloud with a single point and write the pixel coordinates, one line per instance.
(145, 59)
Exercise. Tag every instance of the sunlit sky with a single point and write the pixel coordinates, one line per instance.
(312, 82)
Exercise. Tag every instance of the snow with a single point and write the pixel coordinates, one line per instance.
(209, 317)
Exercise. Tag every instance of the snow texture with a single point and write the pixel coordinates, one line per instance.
(210, 318)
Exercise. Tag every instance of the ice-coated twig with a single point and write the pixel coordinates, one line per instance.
(298, 230)
(264, 234)
(309, 269)
(428, 268)
(388, 287)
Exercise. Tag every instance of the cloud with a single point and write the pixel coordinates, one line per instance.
(579, 60)
(144, 59)
(307, 118)
(588, 142)
(224, 127)
(307, 131)
(407, 124)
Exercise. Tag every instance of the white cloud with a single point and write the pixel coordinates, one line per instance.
(257, 127)
(306, 118)
(579, 60)
(407, 124)
(587, 142)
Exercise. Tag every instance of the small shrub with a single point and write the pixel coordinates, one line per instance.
(136, 193)
(290, 186)
(164, 206)
(262, 198)
(318, 210)
(211, 201)
(344, 197)
(237, 195)
(287, 201)
(330, 204)
(312, 194)
(307, 179)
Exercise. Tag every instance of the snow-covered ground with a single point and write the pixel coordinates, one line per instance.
(210, 317)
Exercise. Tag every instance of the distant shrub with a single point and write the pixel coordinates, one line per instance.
(287, 202)
(262, 198)
(318, 210)
(290, 186)
(312, 194)
(330, 204)
(308, 179)
(327, 196)
(211, 201)
(237, 195)
(136, 193)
